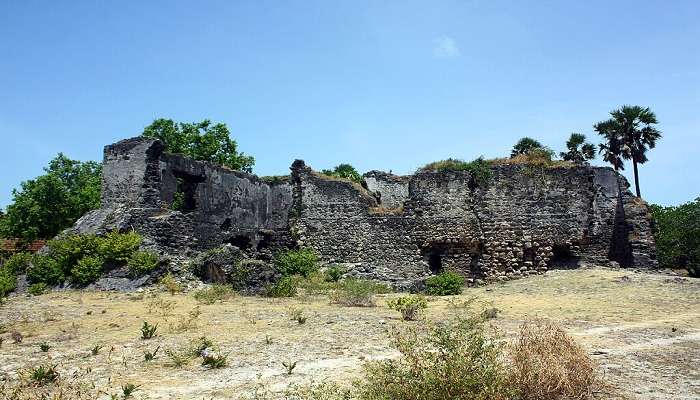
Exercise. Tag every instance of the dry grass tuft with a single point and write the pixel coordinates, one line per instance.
(547, 364)
(381, 210)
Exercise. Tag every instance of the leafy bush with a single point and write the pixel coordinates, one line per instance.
(677, 234)
(357, 292)
(455, 360)
(116, 246)
(285, 287)
(8, 281)
(296, 262)
(334, 273)
(214, 293)
(444, 284)
(18, 263)
(68, 250)
(524, 146)
(170, 284)
(44, 374)
(142, 262)
(408, 306)
(88, 270)
(549, 365)
(479, 168)
(45, 269)
(345, 171)
(37, 289)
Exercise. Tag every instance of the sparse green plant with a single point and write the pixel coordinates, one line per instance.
(186, 322)
(289, 366)
(214, 361)
(334, 273)
(44, 347)
(44, 374)
(490, 313)
(444, 284)
(284, 287)
(37, 289)
(214, 293)
(297, 314)
(357, 292)
(148, 330)
(296, 262)
(161, 306)
(268, 339)
(149, 356)
(451, 360)
(408, 306)
(345, 171)
(128, 390)
(95, 350)
(8, 281)
(142, 262)
(169, 283)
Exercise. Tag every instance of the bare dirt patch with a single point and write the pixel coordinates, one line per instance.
(643, 330)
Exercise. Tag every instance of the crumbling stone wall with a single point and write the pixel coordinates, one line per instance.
(523, 220)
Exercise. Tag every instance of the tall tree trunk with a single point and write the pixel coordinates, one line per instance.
(636, 177)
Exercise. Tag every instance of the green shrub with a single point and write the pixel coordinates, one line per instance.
(677, 234)
(479, 168)
(214, 293)
(444, 284)
(88, 270)
(37, 289)
(68, 250)
(296, 262)
(214, 361)
(357, 292)
(119, 247)
(44, 374)
(285, 287)
(148, 330)
(452, 360)
(142, 262)
(18, 263)
(45, 269)
(8, 281)
(345, 171)
(408, 306)
(334, 273)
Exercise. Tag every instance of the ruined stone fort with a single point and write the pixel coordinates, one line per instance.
(397, 229)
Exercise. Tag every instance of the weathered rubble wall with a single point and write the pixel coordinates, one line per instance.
(520, 221)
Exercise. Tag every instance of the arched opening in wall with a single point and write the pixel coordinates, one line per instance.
(243, 242)
(435, 262)
(562, 258)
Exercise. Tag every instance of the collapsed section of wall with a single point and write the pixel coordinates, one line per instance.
(183, 206)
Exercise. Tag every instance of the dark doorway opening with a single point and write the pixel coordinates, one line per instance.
(185, 196)
(435, 262)
(243, 242)
(562, 257)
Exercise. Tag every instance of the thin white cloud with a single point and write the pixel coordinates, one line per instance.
(446, 47)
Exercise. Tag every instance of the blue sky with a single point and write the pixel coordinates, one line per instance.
(385, 85)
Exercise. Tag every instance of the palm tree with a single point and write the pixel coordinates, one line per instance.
(628, 134)
(581, 155)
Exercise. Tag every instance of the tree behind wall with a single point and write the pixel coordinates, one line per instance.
(200, 140)
(50, 203)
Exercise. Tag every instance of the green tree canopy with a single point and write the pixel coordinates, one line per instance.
(200, 140)
(50, 203)
(346, 171)
(524, 146)
(628, 135)
(579, 151)
(677, 234)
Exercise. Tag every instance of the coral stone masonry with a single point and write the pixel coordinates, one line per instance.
(399, 229)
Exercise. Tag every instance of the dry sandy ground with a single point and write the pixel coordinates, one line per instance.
(643, 329)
